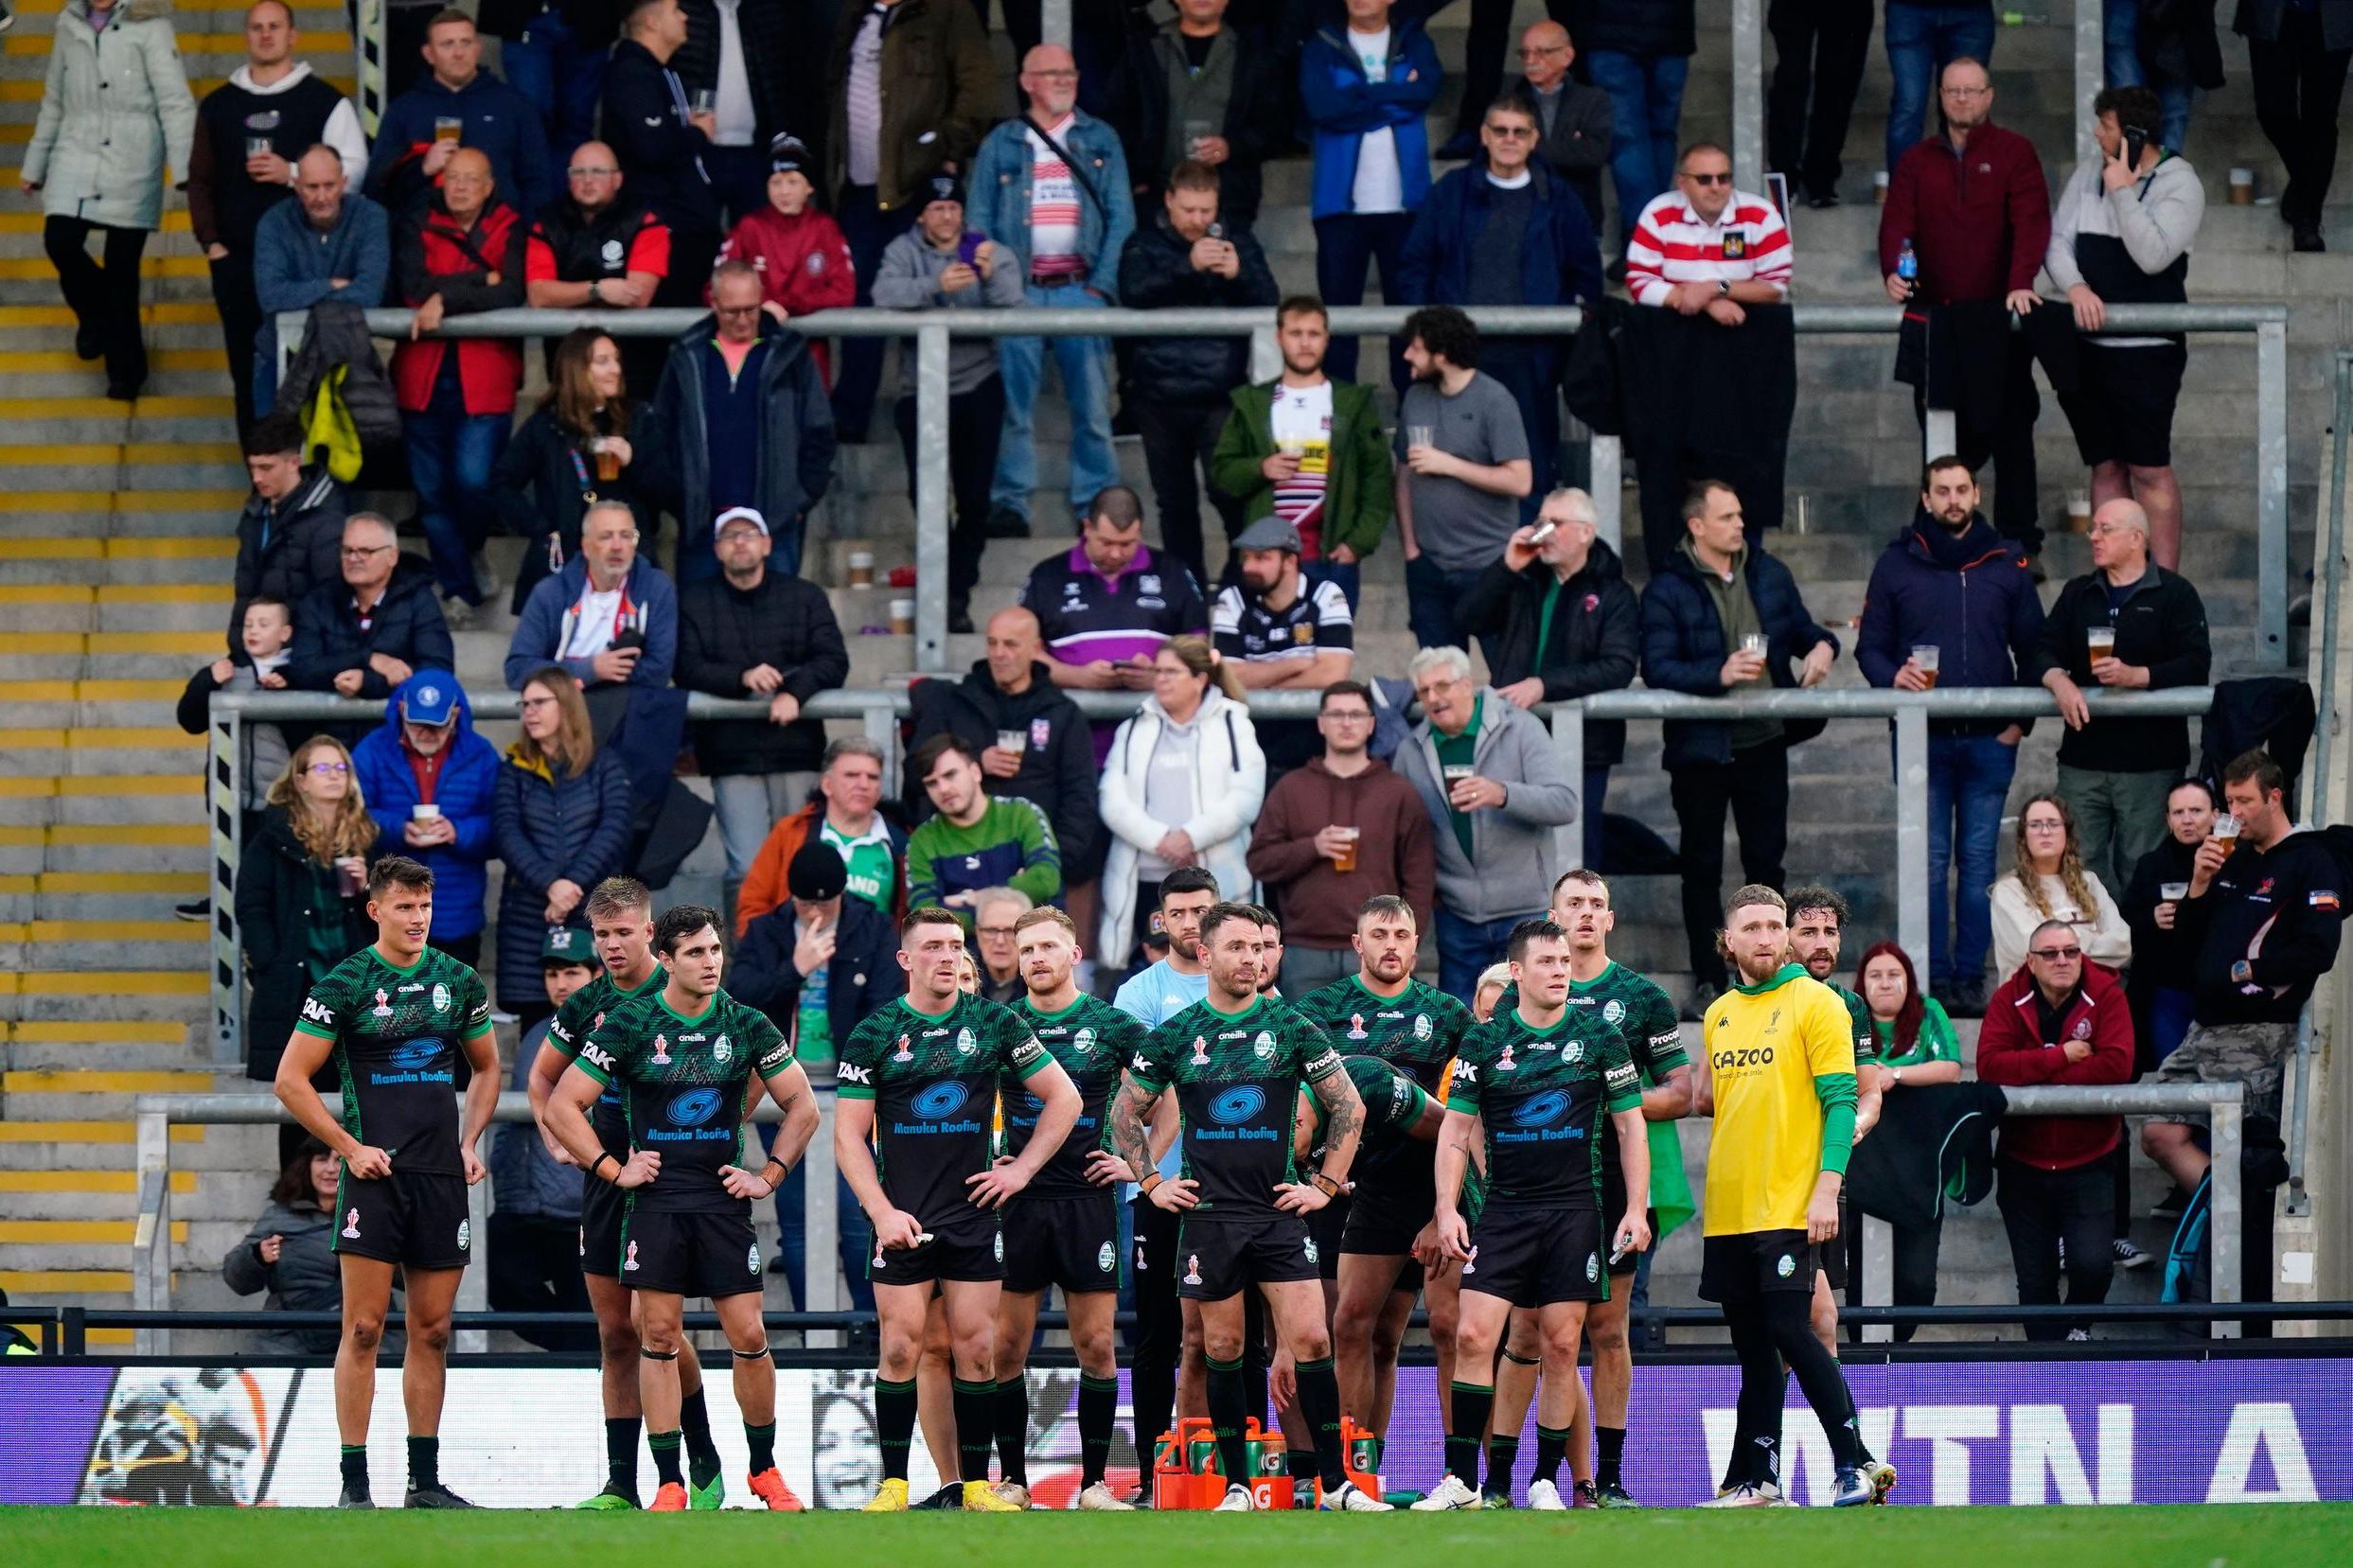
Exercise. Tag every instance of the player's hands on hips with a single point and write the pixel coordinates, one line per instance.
(1001, 1181)
(899, 1231)
(1299, 1197)
(368, 1163)
(1822, 1212)
(1176, 1194)
(641, 1169)
(1633, 1234)
(1105, 1169)
(1454, 1234)
(743, 1183)
(474, 1169)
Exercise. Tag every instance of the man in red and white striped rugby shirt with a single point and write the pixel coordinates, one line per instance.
(1707, 247)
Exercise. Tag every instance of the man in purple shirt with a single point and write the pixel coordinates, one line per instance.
(1107, 605)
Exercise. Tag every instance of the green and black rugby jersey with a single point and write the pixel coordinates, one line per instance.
(1237, 1077)
(1644, 1018)
(685, 1087)
(1859, 1013)
(1543, 1097)
(583, 1014)
(1418, 1031)
(1393, 1103)
(1094, 1041)
(934, 1084)
(396, 1034)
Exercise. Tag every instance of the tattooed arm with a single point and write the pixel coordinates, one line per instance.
(1343, 1126)
(1130, 1102)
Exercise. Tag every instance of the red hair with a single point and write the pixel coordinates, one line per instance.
(1908, 1016)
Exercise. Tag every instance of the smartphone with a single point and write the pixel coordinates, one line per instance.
(2136, 139)
(969, 246)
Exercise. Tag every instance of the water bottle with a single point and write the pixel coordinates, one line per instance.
(1908, 268)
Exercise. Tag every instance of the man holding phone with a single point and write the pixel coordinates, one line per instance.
(609, 616)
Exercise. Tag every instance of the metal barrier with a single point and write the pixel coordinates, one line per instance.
(933, 331)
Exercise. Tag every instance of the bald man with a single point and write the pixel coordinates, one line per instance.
(328, 242)
(459, 255)
(594, 248)
(1573, 119)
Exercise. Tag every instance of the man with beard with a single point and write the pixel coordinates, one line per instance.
(1280, 632)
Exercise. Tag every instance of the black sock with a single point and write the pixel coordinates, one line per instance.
(972, 1402)
(621, 1454)
(1474, 1408)
(1611, 1440)
(1229, 1393)
(1098, 1408)
(1010, 1406)
(694, 1422)
(1300, 1464)
(1502, 1454)
(355, 1469)
(664, 1446)
(424, 1463)
(1757, 1429)
(1319, 1403)
(762, 1441)
(1817, 1372)
(895, 1424)
(1552, 1448)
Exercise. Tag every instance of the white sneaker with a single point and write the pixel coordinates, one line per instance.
(1100, 1498)
(1348, 1499)
(1013, 1492)
(2078, 1336)
(1744, 1496)
(1449, 1493)
(1237, 1500)
(1544, 1497)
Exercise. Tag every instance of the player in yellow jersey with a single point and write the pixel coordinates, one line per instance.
(1781, 1072)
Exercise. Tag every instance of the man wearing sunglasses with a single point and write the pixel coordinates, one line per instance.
(1707, 248)
(2058, 1020)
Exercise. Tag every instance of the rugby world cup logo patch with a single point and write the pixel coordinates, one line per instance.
(1105, 1257)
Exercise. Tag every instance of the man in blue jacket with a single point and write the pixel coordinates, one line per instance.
(1723, 617)
(1366, 88)
(413, 143)
(1506, 230)
(609, 616)
(1952, 603)
(328, 242)
(428, 780)
(1050, 187)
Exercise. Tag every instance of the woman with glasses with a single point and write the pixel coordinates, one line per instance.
(564, 809)
(2049, 882)
(301, 893)
(573, 451)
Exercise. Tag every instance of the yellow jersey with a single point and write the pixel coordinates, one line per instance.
(1766, 1044)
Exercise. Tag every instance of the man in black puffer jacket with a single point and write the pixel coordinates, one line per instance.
(1180, 388)
(291, 532)
(379, 624)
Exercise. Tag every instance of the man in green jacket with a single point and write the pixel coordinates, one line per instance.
(1309, 450)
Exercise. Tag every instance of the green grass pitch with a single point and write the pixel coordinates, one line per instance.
(2215, 1537)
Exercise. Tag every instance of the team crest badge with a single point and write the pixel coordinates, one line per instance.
(1613, 1010)
(1593, 1267)
(1264, 1047)
(662, 1051)
(2083, 1028)
(441, 999)
(1041, 734)
(997, 1245)
(1311, 1249)
(1421, 1025)
(752, 1260)
(1105, 1257)
(465, 1235)
(1787, 1266)
(383, 1005)
(965, 1042)
(1573, 1051)
(1083, 1042)
(1193, 1269)
(720, 1050)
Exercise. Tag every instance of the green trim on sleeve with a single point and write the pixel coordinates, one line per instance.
(1631, 1100)
(304, 1026)
(852, 1091)
(603, 1078)
(1838, 1093)
(1045, 1060)
(486, 1029)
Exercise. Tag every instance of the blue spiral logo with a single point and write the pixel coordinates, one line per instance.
(410, 1054)
(943, 1099)
(693, 1107)
(1544, 1111)
(1237, 1105)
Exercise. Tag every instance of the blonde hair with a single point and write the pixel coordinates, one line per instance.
(349, 830)
(1045, 914)
(2071, 875)
(1195, 653)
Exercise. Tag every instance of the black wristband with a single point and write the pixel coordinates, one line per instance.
(598, 1163)
(782, 1172)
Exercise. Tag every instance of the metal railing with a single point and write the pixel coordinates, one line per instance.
(933, 330)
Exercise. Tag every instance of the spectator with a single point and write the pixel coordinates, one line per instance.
(1492, 787)
(1050, 188)
(593, 248)
(757, 633)
(819, 965)
(994, 910)
(1463, 467)
(740, 419)
(553, 53)
(556, 468)
(290, 1252)
(2117, 772)
(1181, 388)
(1575, 116)
(1493, 981)
(2296, 58)
(249, 131)
(460, 253)
(2057, 1019)
(1639, 52)
(137, 96)
(1308, 451)
(2049, 882)
(534, 1228)
(1705, 247)
(1180, 790)
(1364, 89)
(1275, 630)
(1341, 830)
(407, 24)
(1271, 954)
(925, 269)
(1925, 38)
(458, 106)
(1819, 47)
(380, 626)
(841, 814)
(2121, 235)
(290, 535)
(2265, 924)
(975, 842)
(1977, 242)
(428, 780)
(798, 249)
(741, 55)
(269, 626)
(1105, 608)
(301, 892)
(1482, 67)
(1560, 622)
(609, 616)
(1010, 696)
(1726, 617)
(1948, 585)
(563, 813)
(2170, 53)
(912, 91)
(329, 242)
(1918, 1049)
(2165, 958)
(1503, 231)
(1196, 90)
(661, 143)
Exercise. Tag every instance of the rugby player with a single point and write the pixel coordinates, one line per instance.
(1236, 1060)
(685, 1056)
(1065, 1230)
(393, 1019)
(911, 1135)
(1533, 1088)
